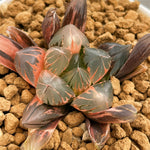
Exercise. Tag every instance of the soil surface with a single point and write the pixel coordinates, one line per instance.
(107, 21)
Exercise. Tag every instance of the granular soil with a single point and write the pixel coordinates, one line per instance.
(107, 21)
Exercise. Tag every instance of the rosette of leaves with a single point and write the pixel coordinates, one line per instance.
(70, 75)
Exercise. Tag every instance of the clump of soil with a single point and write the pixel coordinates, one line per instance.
(107, 21)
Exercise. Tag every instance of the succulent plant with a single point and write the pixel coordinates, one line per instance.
(71, 75)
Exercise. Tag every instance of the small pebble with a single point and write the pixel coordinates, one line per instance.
(11, 123)
(18, 109)
(10, 91)
(4, 104)
(74, 119)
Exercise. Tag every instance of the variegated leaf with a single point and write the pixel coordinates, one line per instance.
(38, 137)
(57, 59)
(76, 74)
(20, 37)
(139, 53)
(95, 99)
(50, 25)
(8, 49)
(30, 108)
(98, 63)
(119, 54)
(99, 132)
(29, 62)
(37, 115)
(76, 14)
(78, 79)
(69, 37)
(53, 90)
(120, 114)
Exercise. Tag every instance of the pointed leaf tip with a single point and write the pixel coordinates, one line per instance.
(120, 114)
(99, 132)
(37, 138)
(119, 54)
(76, 14)
(20, 37)
(50, 24)
(139, 53)
(69, 37)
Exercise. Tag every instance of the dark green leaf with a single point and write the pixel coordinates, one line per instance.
(98, 63)
(53, 90)
(119, 54)
(57, 59)
(69, 37)
(97, 98)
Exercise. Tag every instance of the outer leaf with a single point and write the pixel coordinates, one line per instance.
(140, 69)
(119, 54)
(38, 115)
(76, 14)
(39, 137)
(8, 49)
(57, 59)
(120, 114)
(78, 79)
(50, 25)
(139, 53)
(20, 37)
(98, 132)
(95, 99)
(29, 63)
(52, 90)
(98, 63)
(69, 37)
(30, 107)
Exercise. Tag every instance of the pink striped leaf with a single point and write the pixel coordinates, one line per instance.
(29, 63)
(53, 90)
(99, 132)
(8, 49)
(95, 99)
(37, 114)
(120, 114)
(38, 137)
(20, 37)
(50, 25)
(98, 63)
(57, 59)
(76, 14)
